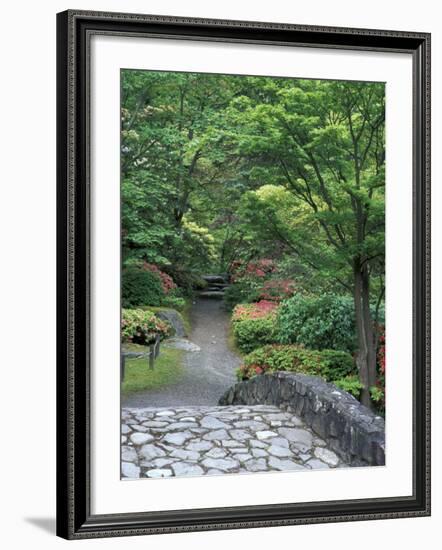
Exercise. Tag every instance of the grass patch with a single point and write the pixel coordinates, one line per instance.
(168, 370)
(138, 348)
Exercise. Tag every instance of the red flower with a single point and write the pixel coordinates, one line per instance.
(253, 269)
(277, 289)
(258, 310)
(166, 280)
(381, 350)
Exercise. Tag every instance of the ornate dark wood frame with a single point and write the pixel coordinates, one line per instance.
(74, 519)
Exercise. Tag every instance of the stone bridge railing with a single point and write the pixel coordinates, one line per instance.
(350, 429)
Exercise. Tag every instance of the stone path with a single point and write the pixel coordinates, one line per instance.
(189, 441)
(209, 369)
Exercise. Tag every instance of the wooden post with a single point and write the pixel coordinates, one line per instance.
(122, 366)
(157, 345)
(154, 350)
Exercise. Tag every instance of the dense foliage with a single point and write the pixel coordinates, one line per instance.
(318, 322)
(253, 325)
(329, 364)
(140, 287)
(174, 301)
(167, 283)
(140, 326)
(278, 182)
(350, 384)
(147, 285)
(258, 280)
(240, 293)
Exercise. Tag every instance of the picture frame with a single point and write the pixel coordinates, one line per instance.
(75, 518)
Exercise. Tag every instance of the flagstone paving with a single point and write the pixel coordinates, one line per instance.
(204, 440)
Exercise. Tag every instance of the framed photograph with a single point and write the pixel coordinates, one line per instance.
(243, 274)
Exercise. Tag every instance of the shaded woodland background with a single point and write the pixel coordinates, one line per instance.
(277, 183)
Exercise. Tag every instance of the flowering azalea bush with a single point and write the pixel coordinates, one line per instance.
(378, 391)
(277, 290)
(140, 326)
(146, 285)
(258, 310)
(381, 352)
(254, 325)
(251, 270)
(329, 364)
(255, 281)
(167, 282)
(247, 280)
(240, 293)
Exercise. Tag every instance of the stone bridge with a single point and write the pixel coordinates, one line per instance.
(273, 422)
(188, 441)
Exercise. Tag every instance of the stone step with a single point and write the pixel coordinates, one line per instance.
(213, 288)
(213, 294)
(214, 279)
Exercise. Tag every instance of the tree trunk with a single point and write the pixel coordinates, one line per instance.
(366, 354)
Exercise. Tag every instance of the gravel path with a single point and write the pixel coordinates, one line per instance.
(189, 441)
(208, 373)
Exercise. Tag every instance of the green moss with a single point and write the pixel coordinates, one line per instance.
(168, 369)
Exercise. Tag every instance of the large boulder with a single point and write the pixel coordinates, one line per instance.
(174, 319)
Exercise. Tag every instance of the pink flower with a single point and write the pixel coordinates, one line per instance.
(166, 280)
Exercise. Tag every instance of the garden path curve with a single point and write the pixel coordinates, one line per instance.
(208, 373)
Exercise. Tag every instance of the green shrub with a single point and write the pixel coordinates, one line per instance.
(350, 384)
(140, 326)
(378, 397)
(325, 322)
(240, 293)
(329, 364)
(253, 333)
(336, 364)
(140, 287)
(175, 302)
(199, 283)
(253, 325)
